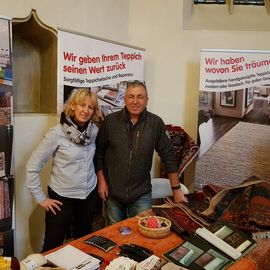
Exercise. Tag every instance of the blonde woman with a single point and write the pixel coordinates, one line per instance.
(72, 193)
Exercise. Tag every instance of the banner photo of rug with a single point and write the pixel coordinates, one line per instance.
(238, 155)
(230, 70)
(103, 66)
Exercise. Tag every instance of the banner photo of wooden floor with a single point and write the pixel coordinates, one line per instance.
(242, 152)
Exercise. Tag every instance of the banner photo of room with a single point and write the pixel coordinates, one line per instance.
(234, 106)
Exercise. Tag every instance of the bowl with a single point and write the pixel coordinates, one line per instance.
(160, 232)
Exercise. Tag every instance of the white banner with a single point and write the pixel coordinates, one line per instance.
(222, 71)
(103, 66)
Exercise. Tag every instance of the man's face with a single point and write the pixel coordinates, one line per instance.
(136, 100)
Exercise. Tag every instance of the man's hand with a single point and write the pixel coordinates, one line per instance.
(178, 196)
(102, 186)
(51, 205)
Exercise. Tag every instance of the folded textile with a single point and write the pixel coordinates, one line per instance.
(192, 208)
(185, 148)
(246, 206)
(182, 224)
(184, 217)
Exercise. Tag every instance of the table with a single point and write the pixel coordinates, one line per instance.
(159, 246)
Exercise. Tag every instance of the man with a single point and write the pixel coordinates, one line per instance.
(124, 150)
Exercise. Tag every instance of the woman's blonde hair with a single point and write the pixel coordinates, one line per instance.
(78, 96)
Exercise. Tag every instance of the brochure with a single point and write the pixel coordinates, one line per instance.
(72, 258)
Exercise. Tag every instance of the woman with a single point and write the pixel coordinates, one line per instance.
(72, 193)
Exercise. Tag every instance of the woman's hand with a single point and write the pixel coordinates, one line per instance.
(51, 205)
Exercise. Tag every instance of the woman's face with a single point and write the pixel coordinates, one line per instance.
(83, 112)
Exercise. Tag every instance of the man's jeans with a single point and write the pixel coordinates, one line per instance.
(117, 211)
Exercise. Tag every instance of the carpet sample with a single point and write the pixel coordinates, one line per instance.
(246, 206)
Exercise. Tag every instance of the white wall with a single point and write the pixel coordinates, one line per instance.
(172, 66)
(29, 217)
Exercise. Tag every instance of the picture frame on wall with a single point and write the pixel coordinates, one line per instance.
(203, 97)
(249, 92)
(228, 99)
